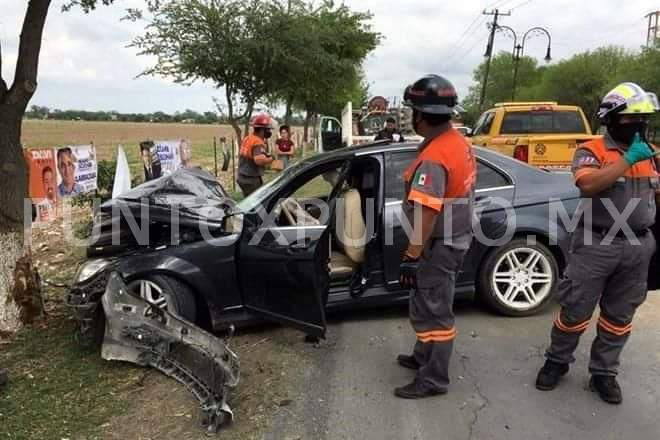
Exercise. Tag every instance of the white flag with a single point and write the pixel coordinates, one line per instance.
(122, 181)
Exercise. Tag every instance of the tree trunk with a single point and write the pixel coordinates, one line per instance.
(287, 113)
(308, 118)
(20, 295)
(248, 117)
(237, 129)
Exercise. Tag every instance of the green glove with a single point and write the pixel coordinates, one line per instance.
(638, 151)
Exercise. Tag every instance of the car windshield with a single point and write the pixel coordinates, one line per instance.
(256, 198)
(546, 122)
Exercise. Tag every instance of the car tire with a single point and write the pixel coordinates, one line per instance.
(166, 293)
(509, 272)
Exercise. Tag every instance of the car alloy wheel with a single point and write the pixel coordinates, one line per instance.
(151, 293)
(522, 278)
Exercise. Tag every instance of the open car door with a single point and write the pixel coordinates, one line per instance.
(330, 134)
(284, 261)
(654, 269)
(284, 276)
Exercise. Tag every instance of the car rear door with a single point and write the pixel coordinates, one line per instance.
(283, 268)
(493, 193)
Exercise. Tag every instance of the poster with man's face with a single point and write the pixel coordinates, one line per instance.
(170, 154)
(76, 170)
(42, 185)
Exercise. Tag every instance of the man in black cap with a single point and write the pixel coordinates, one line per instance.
(390, 132)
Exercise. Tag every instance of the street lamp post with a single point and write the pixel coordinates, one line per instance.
(519, 50)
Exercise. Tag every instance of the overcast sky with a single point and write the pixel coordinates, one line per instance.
(85, 63)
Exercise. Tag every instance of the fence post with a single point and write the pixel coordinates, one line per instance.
(233, 163)
(215, 156)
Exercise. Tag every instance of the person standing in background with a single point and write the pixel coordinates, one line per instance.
(390, 132)
(285, 147)
(254, 155)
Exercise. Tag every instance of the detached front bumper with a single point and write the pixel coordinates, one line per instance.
(137, 332)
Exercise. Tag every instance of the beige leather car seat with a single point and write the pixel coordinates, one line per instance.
(350, 231)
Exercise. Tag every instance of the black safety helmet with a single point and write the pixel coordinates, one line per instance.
(432, 94)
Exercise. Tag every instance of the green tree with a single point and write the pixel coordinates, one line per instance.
(584, 78)
(230, 43)
(500, 83)
(319, 67)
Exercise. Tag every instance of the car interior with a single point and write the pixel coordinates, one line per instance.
(350, 231)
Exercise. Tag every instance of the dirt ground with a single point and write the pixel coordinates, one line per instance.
(271, 361)
(132, 402)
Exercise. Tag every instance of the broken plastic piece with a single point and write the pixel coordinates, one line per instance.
(146, 335)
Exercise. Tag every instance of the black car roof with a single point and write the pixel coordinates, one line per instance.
(387, 146)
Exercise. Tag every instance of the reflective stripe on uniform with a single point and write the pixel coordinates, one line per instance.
(424, 199)
(612, 328)
(582, 172)
(577, 328)
(437, 335)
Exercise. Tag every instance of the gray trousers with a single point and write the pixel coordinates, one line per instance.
(249, 184)
(432, 312)
(613, 275)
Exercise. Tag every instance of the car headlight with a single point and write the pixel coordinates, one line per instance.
(89, 269)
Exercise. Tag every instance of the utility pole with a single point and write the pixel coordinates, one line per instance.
(654, 29)
(489, 49)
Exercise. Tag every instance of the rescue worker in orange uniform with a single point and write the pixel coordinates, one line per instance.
(254, 156)
(439, 195)
(612, 247)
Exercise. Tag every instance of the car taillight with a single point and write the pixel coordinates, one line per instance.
(521, 153)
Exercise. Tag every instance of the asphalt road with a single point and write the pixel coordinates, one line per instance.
(344, 390)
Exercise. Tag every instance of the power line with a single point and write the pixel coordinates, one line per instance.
(521, 4)
(469, 51)
(461, 44)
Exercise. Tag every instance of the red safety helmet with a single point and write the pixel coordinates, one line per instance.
(262, 120)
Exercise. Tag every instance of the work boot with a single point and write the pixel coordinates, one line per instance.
(417, 390)
(408, 361)
(549, 375)
(607, 388)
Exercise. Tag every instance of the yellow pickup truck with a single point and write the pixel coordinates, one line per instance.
(543, 134)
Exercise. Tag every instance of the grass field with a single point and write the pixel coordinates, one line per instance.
(107, 135)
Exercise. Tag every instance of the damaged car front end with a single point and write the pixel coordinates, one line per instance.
(113, 311)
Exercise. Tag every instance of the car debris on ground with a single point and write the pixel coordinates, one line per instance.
(143, 334)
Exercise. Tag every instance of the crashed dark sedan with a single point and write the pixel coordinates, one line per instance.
(289, 252)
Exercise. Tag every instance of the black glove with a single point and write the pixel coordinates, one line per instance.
(408, 272)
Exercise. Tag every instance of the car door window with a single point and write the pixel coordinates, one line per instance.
(318, 187)
(330, 125)
(308, 199)
(488, 177)
(396, 164)
(484, 124)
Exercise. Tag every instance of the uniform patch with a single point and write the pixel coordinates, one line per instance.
(587, 161)
(422, 179)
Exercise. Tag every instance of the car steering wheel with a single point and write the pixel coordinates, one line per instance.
(287, 212)
(301, 217)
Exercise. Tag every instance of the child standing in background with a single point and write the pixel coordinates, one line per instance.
(285, 148)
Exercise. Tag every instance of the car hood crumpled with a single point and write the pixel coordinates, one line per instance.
(194, 194)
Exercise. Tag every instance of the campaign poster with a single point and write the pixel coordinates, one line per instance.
(42, 185)
(169, 155)
(77, 170)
